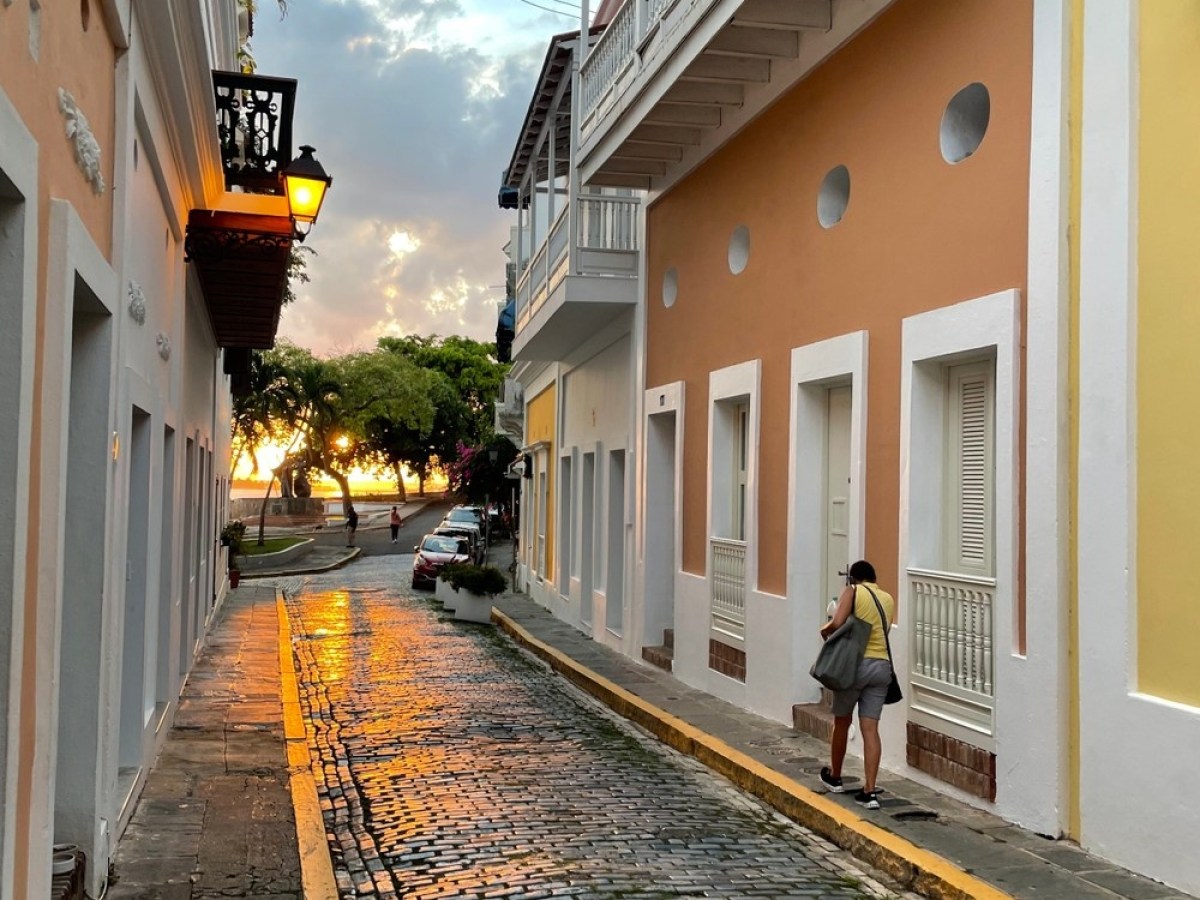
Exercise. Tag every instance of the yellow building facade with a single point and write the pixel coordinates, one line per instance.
(1136, 497)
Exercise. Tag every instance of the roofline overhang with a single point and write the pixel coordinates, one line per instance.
(561, 48)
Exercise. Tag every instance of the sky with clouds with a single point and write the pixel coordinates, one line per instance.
(414, 108)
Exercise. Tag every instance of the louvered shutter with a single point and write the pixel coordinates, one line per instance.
(970, 418)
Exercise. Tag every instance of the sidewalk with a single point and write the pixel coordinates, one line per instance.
(933, 844)
(215, 818)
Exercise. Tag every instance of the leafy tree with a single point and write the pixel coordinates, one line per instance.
(422, 449)
(472, 370)
(266, 412)
(370, 387)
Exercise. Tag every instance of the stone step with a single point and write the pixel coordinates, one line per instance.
(663, 657)
(813, 718)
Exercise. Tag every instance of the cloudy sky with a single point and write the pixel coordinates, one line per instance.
(414, 108)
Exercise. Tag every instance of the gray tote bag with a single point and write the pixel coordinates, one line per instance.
(837, 663)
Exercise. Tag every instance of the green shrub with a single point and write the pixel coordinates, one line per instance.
(232, 536)
(446, 572)
(484, 580)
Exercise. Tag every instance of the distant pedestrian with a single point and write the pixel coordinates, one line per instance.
(866, 600)
(396, 522)
(351, 526)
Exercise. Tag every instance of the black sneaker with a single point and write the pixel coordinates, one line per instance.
(869, 799)
(834, 784)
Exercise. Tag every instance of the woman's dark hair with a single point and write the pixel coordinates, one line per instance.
(863, 571)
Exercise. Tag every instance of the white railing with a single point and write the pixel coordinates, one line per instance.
(608, 223)
(728, 581)
(952, 641)
(603, 223)
(609, 57)
(534, 285)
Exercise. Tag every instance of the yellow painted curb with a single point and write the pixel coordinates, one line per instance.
(916, 868)
(316, 868)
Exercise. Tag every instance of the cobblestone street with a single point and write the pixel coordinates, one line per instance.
(453, 765)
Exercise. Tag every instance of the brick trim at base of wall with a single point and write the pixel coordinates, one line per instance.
(966, 767)
(727, 660)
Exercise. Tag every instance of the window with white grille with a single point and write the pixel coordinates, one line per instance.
(970, 469)
(741, 458)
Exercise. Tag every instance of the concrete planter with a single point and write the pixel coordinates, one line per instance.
(473, 607)
(274, 560)
(444, 594)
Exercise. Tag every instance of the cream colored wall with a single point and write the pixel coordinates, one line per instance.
(1168, 365)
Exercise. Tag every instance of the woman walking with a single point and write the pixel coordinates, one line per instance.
(866, 600)
(396, 522)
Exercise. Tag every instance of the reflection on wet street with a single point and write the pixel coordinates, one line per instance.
(449, 764)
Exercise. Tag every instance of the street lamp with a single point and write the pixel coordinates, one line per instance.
(305, 181)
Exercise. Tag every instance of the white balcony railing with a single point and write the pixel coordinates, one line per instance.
(611, 54)
(728, 605)
(619, 47)
(953, 666)
(608, 223)
(603, 224)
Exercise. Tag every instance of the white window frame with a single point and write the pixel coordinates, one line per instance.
(734, 386)
(731, 387)
(19, 162)
(835, 361)
(985, 327)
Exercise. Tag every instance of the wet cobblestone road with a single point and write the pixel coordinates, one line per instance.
(453, 765)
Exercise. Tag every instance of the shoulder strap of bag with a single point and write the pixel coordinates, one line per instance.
(883, 621)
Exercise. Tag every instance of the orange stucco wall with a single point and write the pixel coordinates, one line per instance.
(82, 61)
(918, 234)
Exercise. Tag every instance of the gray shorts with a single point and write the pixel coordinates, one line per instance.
(874, 676)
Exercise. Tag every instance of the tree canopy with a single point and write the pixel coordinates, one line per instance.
(411, 402)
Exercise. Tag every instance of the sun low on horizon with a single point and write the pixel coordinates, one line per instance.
(247, 481)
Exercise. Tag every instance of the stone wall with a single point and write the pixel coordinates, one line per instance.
(246, 508)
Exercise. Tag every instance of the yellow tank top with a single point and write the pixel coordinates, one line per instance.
(865, 609)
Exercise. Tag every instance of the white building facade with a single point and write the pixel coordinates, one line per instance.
(115, 474)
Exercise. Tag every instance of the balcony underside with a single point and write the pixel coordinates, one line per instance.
(577, 308)
(242, 261)
(699, 75)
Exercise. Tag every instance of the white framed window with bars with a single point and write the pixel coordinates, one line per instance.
(732, 502)
(959, 494)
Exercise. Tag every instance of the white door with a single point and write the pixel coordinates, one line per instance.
(837, 489)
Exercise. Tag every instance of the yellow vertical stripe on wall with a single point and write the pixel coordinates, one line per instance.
(1168, 365)
(1074, 818)
(541, 423)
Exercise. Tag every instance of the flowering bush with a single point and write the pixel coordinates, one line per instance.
(479, 472)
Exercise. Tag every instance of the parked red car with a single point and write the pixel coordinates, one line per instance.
(434, 552)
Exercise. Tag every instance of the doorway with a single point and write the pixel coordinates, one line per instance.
(836, 528)
(661, 550)
(614, 580)
(587, 537)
